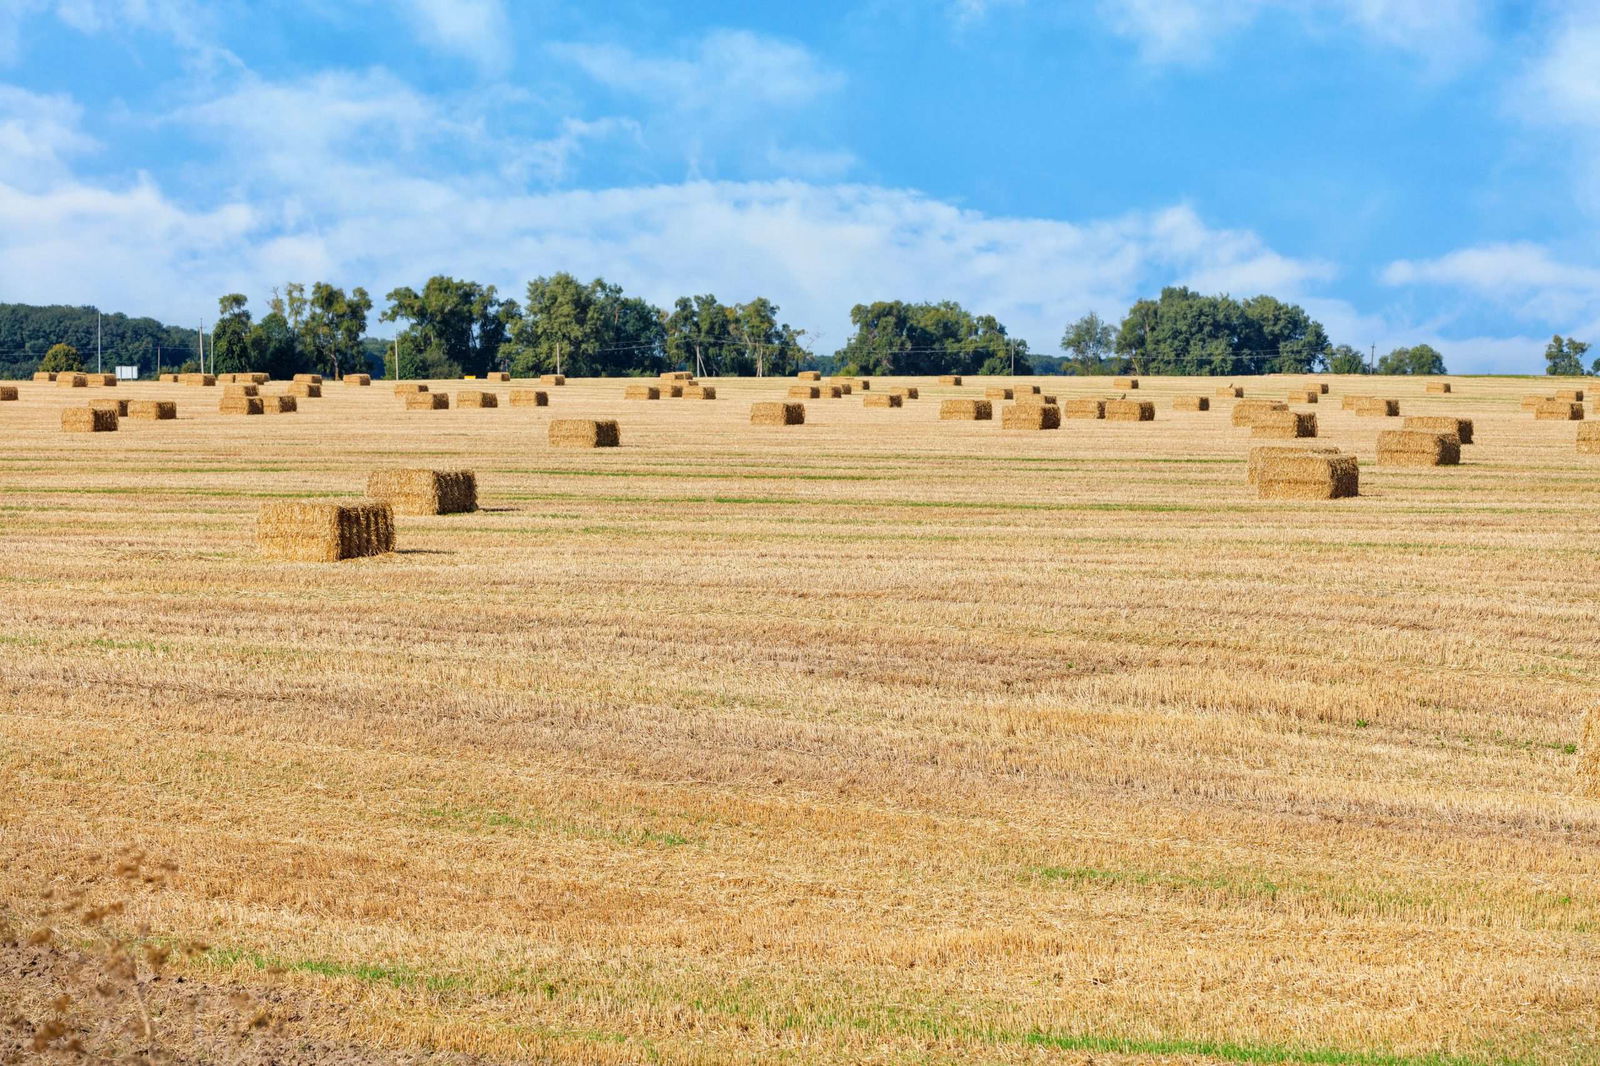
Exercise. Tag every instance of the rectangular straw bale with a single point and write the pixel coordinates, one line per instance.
(241, 390)
(1437, 386)
(1245, 412)
(279, 405)
(1318, 387)
(1310, 476)
(241, 405)
(1589, 438)
(44, 375)
(1412, 447)
(1230, 392)
(1460, 428)
(416, 491)
(1085, 407)
(584, 433)
(1377, 405)
(998, 392)
(406, 388)
(102, 380)
(1284, 425)
(530, 398)
(677, 375)
(1531, 403)
(1030, 416)
(169, 379)
(805, 392)
(324, 532)
(905, 392)
(1263, 455)
(809, 375)
(673, 389)
(774, 413)
(258, 378)
(829, 392)
(1191, 403)
(88, 420)
(708, 392)
(845, 387)
(966, 411)
(882, 399)
(497, 375)
(1125, 383)
(152, 410)
(1025, 390)
(72, 381)
(1304, 395)
(476, 398)
(552, 379)
(362, 380)
(1558, 411)
(641, 392)
(950, 379)
(308, 379)
(427, 401)
(1130, 411)
(8, 392)
(203, 380)
(1570, 395)
(119, 406)
(1035, 398)
(1348, 402)
(306, 390)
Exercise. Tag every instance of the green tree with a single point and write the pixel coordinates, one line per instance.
(1563, 356)
(276, 347)
(1283, 336)
(1186, 332)
(333, 327)
(893, 337)
(584, 330)
(231, 341)
(61, 358)
(1420, 359)
(1090, 344)
(451, 324)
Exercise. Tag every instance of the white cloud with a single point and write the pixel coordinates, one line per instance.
(1521, 278)
(476, 29)
(38, 134)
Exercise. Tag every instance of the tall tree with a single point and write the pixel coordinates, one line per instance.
(1186, 332)
(1563, 356)
(451, 324)
(1344, 359)
(584, 330)
(1419, 359)
(333, 327)
(231, 340)
(893, 337)
(1090, 344)
(61, 358)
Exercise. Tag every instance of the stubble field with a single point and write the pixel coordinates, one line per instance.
(878, 739)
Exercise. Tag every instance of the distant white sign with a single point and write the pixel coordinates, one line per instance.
(127, 373)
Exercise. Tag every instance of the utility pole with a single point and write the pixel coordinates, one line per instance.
(1372, 359)
(99, 358)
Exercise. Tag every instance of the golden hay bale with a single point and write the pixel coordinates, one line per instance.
(1570, 395)
(1437, 386)
(1036, 399)
(119, 406)
(497, 375)
(641, 392)
(1230, 392)
(406, 388)
(1191, 403)
(1348, 403)
(830, 392)
(1030, 416)
(998, 392)
(809, 375)
(241, 405)
(906, 392)
(804, 392)
(413, 491)
(318, 532)
(8, 392)
(530, 398)
(241, 390)
(863, 384)
(363, 379)
(584, 433)
(845, 388)
(1246, 412)
(882, 399)
(306, 390)
(308, 379)
(279, 405)
(1304, 396)
(203, 380)
(966, 411)
(673, 389)
(1310, 476)
(552, 379)
(1530, 403)
(101, 380)
(677, 375)
(1558, 411)
(152, 410)
(1125, 383)
(1263, 455)
(476, 398)
(88, 420)
(1025, 390)
(950, 379)
(776, 413)
(1460, 428)
(169, 379)
(44, 375)
(1130, 411)
(72, 381)
(708, 392)
(1318, 387)
(1284, 425)
(1377, 405)
(1085, 407)
(427, 401)
(1412, 447)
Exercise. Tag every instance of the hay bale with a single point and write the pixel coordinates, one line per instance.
(306, 390)
(950, 379)
(530, 398)
(88, 420)
(1558, 411)
(777, 414)
(998, 392)
(584, 433)
(1130, 411)
(1191, 403)
(427, 401)
(673, 389)
(1378, 406)
(1230, 392)
(119, 406)
(829, 392)
(966, 411)
(1318, 387)
(101, 380)
(1460, 428)
(1125, 383)
(497, 375)
(906, 392)
(1348, 403)
(279, 405)
(1086, 407)
(8, 392)
(1531, 403)
(1304, 396)
(1036, 398)
(882, 399)
(476, 398)
(552, 379)
(412, 491)
(241, 390)
(1246, 412)
(1589, 438)
(168, 379)
(72, 381)
(44, 375)
(677, 375)
(1263, 455)
(809, 375)
(1030, 416)
(318, 532)
(1412, 447)
(708, 392)
(241, 405)
(407, 388)
(201, 380)
(641, 392)
(1437, 387)
(152, 410)
(845, 388)
(804, 392)
(363, 380)
(308, 379)
(1284, 425)
(1570, 395)
(1310, 476)
(1025, 390)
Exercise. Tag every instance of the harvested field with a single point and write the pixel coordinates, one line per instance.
(738, 746)
(1589, 438)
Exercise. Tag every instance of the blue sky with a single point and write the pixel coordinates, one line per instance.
(1409, 170)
